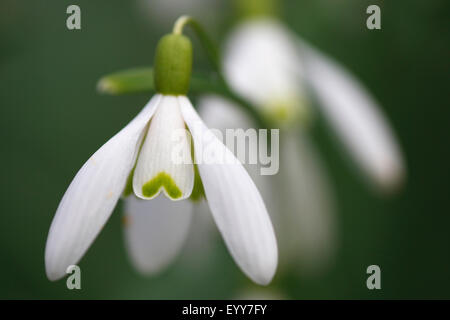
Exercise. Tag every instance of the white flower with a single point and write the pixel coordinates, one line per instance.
(147, 146)
(269, 65)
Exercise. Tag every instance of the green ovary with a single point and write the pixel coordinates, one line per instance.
(163, 179)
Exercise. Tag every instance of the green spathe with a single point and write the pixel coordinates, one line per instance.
(127, 81)
(173, 65)
(162, 179)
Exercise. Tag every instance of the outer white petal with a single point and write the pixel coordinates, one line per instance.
(356, 117)
(167, 150)
(155, 231)
(92, 196)
(221, 114)
(236, 205)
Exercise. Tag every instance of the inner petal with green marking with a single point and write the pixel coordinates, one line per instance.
(165, 162)
(162, 180)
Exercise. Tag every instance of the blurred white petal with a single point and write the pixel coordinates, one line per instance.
(306, 228)
(261, 64)
(258, 61)
(155, 231)
(92, 196)
(235, 203)
(167, 137)
(356, 117)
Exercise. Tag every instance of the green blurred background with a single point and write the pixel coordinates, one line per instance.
(52, 119)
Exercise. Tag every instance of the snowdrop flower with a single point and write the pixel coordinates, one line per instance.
(277, 88)
(139, 159)
(298, 198)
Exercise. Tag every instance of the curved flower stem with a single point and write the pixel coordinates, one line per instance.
(222, 87)
(180, 24)
(209, 46)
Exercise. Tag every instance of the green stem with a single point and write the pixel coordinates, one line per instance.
(212, 52)
(207, 43)
(180, 24)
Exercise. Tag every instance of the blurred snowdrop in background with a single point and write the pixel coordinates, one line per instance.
(267, 63)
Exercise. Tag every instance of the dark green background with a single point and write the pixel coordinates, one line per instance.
(52, 120)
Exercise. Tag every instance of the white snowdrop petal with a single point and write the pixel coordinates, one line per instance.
(155, 231)
(221, 114)
(258, 62)
(92, 196)
(356, 117)
(165, 161)
(235, 203)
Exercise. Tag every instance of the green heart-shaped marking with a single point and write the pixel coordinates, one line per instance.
(161, 180)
